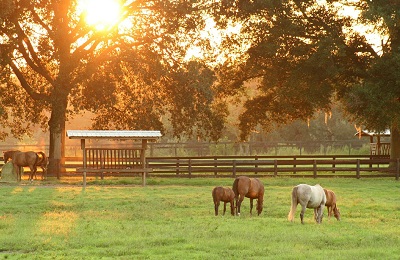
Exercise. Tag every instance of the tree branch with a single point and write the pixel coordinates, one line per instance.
(34, 62)
(37, 18)
(31, 92)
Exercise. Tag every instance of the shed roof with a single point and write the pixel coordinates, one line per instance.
(371, 133)
(113, 134)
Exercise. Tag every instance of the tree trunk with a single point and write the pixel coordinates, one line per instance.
(57, 137)
(394, 144)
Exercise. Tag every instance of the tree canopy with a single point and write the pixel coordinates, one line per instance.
(132, 74)
(306, 54)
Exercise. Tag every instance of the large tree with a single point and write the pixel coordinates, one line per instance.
(130, 73)
(305, 54)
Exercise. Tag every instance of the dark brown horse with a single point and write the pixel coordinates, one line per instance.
(226, 195)
(24, 159)
(331, 204)
(251, 188)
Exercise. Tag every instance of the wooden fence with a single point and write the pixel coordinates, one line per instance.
(293, 166)
(230, 166)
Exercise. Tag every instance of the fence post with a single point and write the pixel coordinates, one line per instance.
(256, 164)
(275, 167)
(190, 168)
(397, 169)
(315, 169)
(358, 169)
(177, 166)
(334, 165)
(234, 168)
(215, 166)
(294, 165)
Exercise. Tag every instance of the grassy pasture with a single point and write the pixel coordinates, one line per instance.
(174, 219)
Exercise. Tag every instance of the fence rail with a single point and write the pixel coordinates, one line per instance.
(308, 166)
(156, 149)
(293, 166)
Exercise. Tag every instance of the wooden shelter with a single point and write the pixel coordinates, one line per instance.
(377, 147)
(114, 160)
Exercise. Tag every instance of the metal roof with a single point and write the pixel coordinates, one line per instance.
(113, 134)
(371, 133)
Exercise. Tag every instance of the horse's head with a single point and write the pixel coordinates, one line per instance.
(336, 213)
(259, 206)
(6, 156)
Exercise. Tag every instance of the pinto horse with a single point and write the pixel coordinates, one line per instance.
(331, 204)
(24, 159)
(312, 197)
(251, 188)
(226, 195)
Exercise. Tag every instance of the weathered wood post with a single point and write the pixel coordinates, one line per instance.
(315, 169)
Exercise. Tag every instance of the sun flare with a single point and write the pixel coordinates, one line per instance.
(101, 14)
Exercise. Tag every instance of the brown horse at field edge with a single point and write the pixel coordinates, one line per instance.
(25, 159)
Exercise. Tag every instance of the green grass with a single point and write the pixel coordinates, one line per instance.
(174, 219)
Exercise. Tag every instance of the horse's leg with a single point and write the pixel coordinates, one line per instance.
(315, 214)
(303, 210)
(329, 211)
(224, 208)
(33, 172)
(239, 203)
(216, 205)
(320, 213)
(236, 205)
(18, 172)
(43, 172)
(251, 206)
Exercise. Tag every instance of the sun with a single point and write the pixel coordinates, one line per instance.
(102, 14)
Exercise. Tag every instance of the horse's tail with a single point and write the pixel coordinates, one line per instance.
(214, 194)
(294, 204)
(235, 187)
(40, 159)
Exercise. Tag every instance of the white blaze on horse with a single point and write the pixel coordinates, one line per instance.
(312, 197)
(26, 159)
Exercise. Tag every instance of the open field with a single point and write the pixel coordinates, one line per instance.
(174, 219)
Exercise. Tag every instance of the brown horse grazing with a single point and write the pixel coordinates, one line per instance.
(226, 195)
(22, 159)
(251, 188)
(331, 204)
